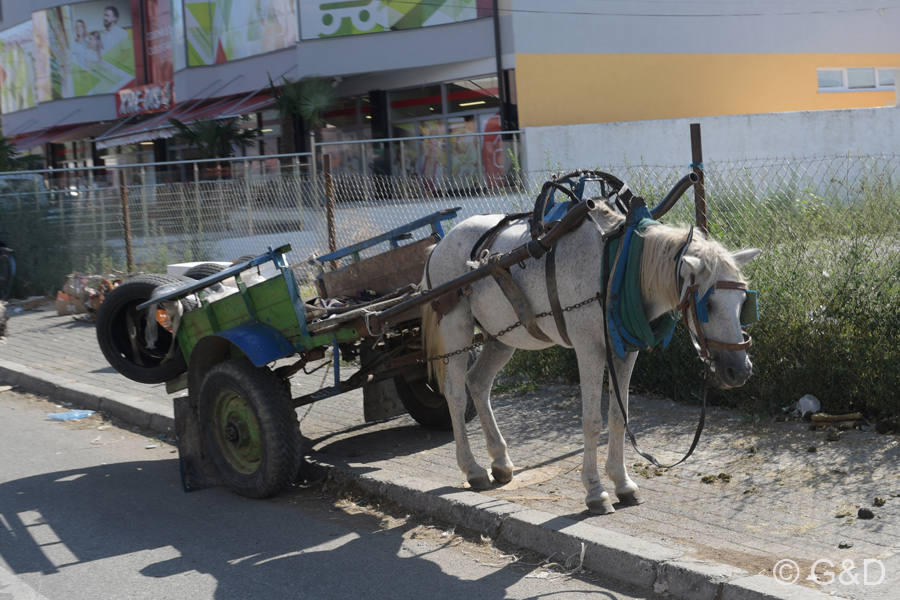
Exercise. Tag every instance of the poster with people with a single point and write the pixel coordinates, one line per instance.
(75, 50)
(101, 47)
(17, 85)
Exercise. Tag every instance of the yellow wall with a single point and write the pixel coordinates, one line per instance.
(567, 89)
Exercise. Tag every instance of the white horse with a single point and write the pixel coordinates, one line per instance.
(579, 277)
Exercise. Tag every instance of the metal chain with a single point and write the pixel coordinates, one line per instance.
(502, 332)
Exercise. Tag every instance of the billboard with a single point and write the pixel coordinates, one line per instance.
(17, 89)
(320, 19)
(221, 30)
(83, 49)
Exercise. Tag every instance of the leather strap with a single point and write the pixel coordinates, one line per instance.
(516, 298)
(553, 294)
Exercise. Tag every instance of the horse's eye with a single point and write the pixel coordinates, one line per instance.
(710, 306)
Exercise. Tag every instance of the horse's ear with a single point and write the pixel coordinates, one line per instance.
(690, 265)
(742, 257)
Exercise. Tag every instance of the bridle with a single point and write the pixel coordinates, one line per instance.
(689, 305)
(692, 308)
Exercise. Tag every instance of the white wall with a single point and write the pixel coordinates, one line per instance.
(668, 142)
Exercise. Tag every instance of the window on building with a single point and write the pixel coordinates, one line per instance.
(856, 79)
(861, 79)
(473, 95)
(415, 103)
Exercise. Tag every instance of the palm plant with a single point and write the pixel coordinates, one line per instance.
(215, 138)
(306, 101)
(12, 160)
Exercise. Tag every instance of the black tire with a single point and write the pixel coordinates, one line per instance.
(203, 270)
(120, 332)
(7, 275)
(244, 258)
(249, 428)
(426, 405)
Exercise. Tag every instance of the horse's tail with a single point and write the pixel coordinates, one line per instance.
(432, 340)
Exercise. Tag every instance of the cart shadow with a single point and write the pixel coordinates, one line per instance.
(252, 549)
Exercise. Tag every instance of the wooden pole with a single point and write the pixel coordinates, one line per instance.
(329, 206)
(700, 186)
(126, 219)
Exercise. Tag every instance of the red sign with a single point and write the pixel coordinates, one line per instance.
(146, 99)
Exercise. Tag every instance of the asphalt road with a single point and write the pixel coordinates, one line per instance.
(91, 510)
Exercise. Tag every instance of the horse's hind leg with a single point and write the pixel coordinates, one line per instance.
(626, 489)
(479, 380)
(591, 373)
(457, 328)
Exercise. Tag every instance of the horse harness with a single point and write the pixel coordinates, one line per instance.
(690, 306)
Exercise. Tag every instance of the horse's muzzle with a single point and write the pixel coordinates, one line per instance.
(733, 369)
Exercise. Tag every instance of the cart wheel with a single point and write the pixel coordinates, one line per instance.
(121, 327)
(249, 428)
(426, 405)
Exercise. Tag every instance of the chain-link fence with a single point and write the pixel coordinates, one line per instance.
(828, 277)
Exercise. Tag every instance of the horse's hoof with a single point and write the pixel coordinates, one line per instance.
(601, 506)
(630, 498)
(502, 474)
(480, 482)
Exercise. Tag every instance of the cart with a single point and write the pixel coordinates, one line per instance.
(238, 426)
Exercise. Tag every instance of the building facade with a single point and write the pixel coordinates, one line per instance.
(96, 81)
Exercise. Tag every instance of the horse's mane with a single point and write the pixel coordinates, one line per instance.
(661, 245)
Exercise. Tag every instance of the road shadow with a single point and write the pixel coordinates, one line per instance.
(251, 548)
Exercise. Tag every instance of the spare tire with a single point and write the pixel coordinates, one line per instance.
(203, 270)
(121, 328)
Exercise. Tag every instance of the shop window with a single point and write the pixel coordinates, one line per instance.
(473, 95)
(344, 114)
(419, 102)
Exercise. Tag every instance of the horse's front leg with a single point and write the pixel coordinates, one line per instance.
(591, 375)
(494, 355)
(455, 392)
(626, 489)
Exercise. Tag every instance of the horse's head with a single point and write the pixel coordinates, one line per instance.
(716, 305)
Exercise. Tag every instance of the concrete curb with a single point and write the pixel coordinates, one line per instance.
(607, 553)
(143, 413)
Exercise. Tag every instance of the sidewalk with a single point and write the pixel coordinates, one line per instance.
(781, 502)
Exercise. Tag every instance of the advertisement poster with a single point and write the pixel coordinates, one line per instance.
(83, 49)
(158, 39)
(321, 19)
(223, 30)
(17, 84)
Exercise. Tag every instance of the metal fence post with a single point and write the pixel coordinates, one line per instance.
(700, 186)
(197, 202)
(297, 179)
(145, 214)
(37, 191)
(247, 196)
(313, 174)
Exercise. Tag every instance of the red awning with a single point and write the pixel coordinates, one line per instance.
(58, 135)
(158, 127)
